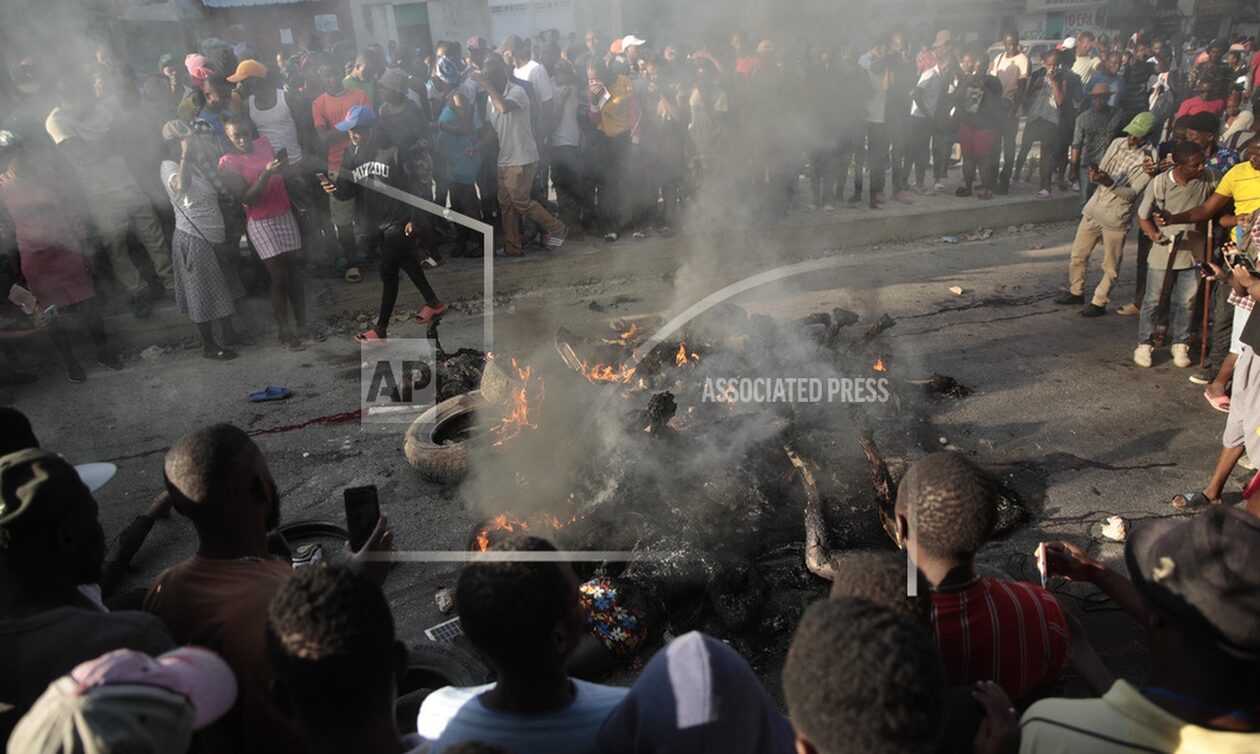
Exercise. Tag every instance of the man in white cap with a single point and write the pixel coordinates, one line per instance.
(127, 701)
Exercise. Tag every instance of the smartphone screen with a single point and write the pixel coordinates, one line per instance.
(283, 154)
(362, 511)
(322, 177)
(1041, 564)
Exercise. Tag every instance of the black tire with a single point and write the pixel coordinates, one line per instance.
(441, 463)
(432, 665)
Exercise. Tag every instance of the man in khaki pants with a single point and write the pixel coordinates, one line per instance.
(508, 113)
(1121, 175)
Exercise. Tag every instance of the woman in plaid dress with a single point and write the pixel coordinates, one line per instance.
(207, 284)
(252, 172)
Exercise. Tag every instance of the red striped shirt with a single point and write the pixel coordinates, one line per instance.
(1010, 632)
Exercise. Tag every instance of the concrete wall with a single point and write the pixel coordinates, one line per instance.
(459, 20)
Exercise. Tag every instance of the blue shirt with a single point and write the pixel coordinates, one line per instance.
(452, 715)
(1116, 83)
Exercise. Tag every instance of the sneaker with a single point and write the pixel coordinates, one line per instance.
(1070, 299)
(1093, 310)
(430, 313)
(610, 237)
(638, 235)
(556, 241)
(938, 187)
(1043, 194)
(1181, 355)
(1203, 378)
(1142, 355)
(1128, 310)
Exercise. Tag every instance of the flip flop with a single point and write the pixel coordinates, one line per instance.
(1220, 402)
(1193, 500)
(270, 393)
(353, 275)
(369, 336)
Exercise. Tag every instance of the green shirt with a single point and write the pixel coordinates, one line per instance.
(368, 87)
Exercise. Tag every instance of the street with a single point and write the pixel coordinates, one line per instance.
(1055, 395)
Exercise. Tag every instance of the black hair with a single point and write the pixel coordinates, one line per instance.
(858, 677)
(1184, 150)
(240, 122)
(880, 577)
(310, 42)
(1086, 35)
(330, 639)
(15, 431)
(510, 608)
(219, 83)
(198, 465)
(951, 504)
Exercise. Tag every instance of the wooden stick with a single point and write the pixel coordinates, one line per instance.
(1207, 302)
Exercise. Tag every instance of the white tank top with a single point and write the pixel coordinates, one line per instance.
(278, 126)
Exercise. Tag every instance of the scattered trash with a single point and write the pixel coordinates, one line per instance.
(1012, 229)
(270, 393)
(1034, 246)
(1027, 226)
(944, 441)
(941, 385)
(152, 353)
(1115, 528)
(595, 306)
(956, 290)
(987, 444)
(307, 555)
(445, 600)
(981, 234)
(950, 239)
(306, 454)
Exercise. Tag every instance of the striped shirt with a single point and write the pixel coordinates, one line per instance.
(1010, 632)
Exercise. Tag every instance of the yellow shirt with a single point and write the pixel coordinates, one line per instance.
(1121, 722)
(1242, 184)
(621, 112)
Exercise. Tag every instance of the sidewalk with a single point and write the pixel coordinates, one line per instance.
(800, 235)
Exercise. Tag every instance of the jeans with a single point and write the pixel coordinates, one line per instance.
(1088, 188)
(1181, 294)
(1048, 134)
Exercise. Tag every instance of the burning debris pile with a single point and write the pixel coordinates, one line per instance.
(650, 445)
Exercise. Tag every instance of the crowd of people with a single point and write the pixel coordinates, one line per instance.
(238, 649)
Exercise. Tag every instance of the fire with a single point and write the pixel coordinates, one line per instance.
(607, 373)
(878, 366)
(500, 522)
(519, 408)
(628, 334)
(680, 358)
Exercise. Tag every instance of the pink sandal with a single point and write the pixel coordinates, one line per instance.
(1220, 402)
(370, 337)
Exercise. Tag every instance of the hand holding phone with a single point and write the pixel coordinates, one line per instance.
(363, 508)
(283, 155)
(1041, 565)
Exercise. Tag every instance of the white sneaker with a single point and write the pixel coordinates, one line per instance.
(938, 187)
(1180, 354)
(1142, 355)
(828, 208)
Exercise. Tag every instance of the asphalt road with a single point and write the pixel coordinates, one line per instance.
(1055, 396)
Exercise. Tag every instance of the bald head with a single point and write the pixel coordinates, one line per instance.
(201, 465)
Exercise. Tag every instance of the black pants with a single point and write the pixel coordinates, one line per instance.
(1048, 134)
(1144, 244)
(573, 192)
(898, 130)
(876, 159)
(1004, 148)
(398, 253)
(918, 149)
(942, 144)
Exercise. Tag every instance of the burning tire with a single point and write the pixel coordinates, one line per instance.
(436, 441)
(496, 385)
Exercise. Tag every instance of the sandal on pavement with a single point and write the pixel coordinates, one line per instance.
(353, 275)
(1219, 402)
(370, 336)
(962, 191)
(1193, 500)
(984, 194)
(270, 393)
(430, 313)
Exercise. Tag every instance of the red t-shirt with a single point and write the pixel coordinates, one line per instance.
(275, 200)
(328, 111)
(1010, 632)
(1199, 105)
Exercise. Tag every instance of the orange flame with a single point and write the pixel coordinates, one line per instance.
(607, 373)
(500, 522)
(518, 415)
(680, 358)
(878, 366)
(628, 334)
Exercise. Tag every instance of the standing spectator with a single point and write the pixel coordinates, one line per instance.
(1194, 585)
(163, 91)
(1137, 74)
(665, 107)
(37, 217)
(368, 67)
(1211, 70)
(876, 153)
(50, 543)
(329, 109)
(1095, 129)
(525, 618)
(901, 82)
(1108, 72)
(710, 108)
(946, 510)
(128, 701)
(207, 283)
(1086, 56)
(866, 708)
(1073, 95)
(390, 222)
(1011, 67)
(330, 630)
(455, 137)
(1183, 188)
(1047, 91)
(1205, 100)
(508, 114)
(252, 174)
(613, 109)
(929, 100)
(115, 204)
(567, 171)
(981, 106)
(409, 129)
(1122, 175)
(854, 89)
(1237, 120)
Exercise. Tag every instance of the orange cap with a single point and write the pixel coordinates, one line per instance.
(248, 69)
(615, 47)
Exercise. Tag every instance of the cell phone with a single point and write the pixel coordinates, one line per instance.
(283, 154)
(323, 177)
(363, 510)
(1041, 564)
(1094, 167)
(1241, 260)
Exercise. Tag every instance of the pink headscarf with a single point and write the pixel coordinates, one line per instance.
(198, 69)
